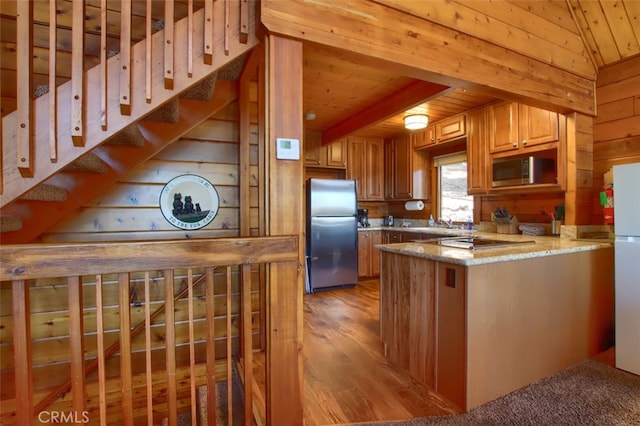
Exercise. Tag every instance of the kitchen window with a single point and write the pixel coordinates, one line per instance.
(453, 202)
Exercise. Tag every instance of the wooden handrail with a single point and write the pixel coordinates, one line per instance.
(73, 261)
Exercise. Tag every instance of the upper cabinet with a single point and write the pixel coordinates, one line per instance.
(478, 161)
(365, 164)
(441, 131)
(333, 155)
(515, 128)
(405, 170)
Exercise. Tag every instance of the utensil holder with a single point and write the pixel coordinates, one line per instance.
(507, 226)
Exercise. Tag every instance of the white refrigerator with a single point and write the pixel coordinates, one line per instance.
(626, 205)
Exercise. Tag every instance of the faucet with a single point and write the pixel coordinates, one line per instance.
(448, 224)
(405, 224)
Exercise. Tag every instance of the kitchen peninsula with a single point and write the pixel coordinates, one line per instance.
(478, 324)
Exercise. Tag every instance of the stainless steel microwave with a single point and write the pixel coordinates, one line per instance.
(523, 171)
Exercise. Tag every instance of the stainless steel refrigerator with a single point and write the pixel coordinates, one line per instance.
(332, 239)
(626, 205)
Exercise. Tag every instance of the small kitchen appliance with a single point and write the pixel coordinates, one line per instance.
(363, 218)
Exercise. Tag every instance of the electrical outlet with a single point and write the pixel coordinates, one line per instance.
(450, 278)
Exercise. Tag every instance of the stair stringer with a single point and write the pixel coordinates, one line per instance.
(39, 216)
(15, 185)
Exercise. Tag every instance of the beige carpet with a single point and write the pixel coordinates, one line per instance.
(589, 393)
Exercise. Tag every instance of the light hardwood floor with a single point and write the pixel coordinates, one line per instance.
(347, 378)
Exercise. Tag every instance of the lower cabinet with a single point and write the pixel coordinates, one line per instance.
(422, 321)
(450, 366)
(368, 255)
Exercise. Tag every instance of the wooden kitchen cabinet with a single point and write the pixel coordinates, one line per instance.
(368, 255)
(390, 237)
(425, 138)
(450, 366)
(478, 161)
(408, 315)
(333, 155)
(442, 131)
(518, 128)
(365, 164)
(406, 172)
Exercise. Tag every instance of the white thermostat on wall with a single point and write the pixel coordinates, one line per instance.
(287, 149)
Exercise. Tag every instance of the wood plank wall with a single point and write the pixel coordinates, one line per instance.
(616, 129)
(130, 209)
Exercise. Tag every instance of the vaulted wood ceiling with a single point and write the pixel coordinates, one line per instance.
(337, 86)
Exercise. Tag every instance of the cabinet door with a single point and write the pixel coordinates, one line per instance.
(375, 238)
(478, 163)
(402, 185)
(451, 355)
(537, 126)
(503, 130)
(425, 137)
(450, 128)
(374, 169)
(364, 254)
(312, 151)
(389, 168)
(356, 165)
(337, 154)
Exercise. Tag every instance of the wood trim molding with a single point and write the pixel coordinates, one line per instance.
(419, 48)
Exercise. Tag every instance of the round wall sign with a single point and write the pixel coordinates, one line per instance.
(189, 202)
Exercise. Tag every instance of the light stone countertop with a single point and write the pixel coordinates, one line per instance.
(542, 246)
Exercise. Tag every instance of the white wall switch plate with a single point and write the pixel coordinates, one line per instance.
(287, 149)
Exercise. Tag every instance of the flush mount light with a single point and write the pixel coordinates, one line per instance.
(415, 121)
(310, 115)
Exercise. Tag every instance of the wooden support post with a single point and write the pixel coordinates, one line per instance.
(168, 45)
(244, 21)
(125, 350)
(76, 345)
(190, 38)
(22, 352)
(208, 32)
(285, 282)
(102, 388)
(125, 57)
(53, 93)
(148, 53)
(77, 74)
(103, 64)
(24, 65)
(229, 358)
(211, 346)
(192, 347)
(227, 25)
(247, 347)
(170, 348)
(147, 347)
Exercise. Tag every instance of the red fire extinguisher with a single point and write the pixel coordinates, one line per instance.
(606, 200)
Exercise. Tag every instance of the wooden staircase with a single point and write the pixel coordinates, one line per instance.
(202, 84)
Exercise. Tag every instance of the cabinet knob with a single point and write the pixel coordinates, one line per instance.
(515, 144)
(524, 142)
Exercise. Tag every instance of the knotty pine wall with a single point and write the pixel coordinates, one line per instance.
(616, 129)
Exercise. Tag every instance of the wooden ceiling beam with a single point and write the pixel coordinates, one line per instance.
(402, 100)
(382, 36)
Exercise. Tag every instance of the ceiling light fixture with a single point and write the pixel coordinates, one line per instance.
(310, 115)
(416, 121)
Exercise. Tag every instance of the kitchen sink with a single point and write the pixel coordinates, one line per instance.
(473, 243)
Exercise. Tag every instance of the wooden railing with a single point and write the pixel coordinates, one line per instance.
(115, 377)
(126, 58)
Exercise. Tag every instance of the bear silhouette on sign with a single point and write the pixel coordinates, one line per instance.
(177, 204)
